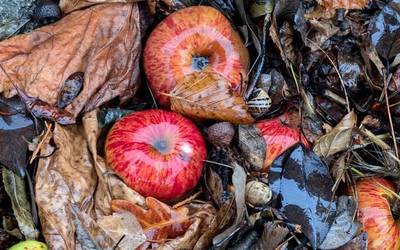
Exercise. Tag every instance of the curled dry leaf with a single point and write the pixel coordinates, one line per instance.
(209, 96)
(102, 41)
(160, 222)
(338, 139)
(343, 4)
(272, 236)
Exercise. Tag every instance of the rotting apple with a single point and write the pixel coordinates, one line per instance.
(157, 153)
(279, 134)
(198, 38)
(374, 213)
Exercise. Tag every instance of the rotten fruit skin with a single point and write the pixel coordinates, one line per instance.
(198, 38)
(375, 213)
(157, 153)
(278, 136)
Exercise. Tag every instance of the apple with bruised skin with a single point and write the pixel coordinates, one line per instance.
(279, 135)
(157, 153)
(198, 38)
(374, 213)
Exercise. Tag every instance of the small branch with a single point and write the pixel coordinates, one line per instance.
(385, 87)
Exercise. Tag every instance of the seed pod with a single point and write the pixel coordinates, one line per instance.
(258, 193)
(221, 134)
(71, 89)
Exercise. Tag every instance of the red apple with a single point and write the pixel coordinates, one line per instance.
(197, 38)
(279, 135)
(157, 153)
(374, 213)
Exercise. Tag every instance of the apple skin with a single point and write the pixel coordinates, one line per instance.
(157, 153)
(279, 135)
(192, 32)
(375, 214)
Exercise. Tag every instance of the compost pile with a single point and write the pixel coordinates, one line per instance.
(186, 124)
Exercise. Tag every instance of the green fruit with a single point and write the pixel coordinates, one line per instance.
(29, 245)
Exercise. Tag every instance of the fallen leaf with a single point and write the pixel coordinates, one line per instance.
(214, 186)
(160, 222)
(16, 130)
(102, 41)
(338, 139)
(344, 227)
(201, 221)
(68, 172)
(338, 170)
(209, 96)
(349, 68)
(301, 182)
(123, 226)
(343, 4)
(239, 184)
(16, 190)
(272, 236)
(68, 6)
(358, 243)
(222, 218)
(244, 239)
(385, 30)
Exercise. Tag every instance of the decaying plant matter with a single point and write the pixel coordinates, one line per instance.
(288, 110)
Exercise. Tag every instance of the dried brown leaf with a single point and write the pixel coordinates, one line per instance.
(272, 236)
(102, 41)
(68, 6)
(338, 139)
(209, 96)
(343, 4)
(338, 169)
(68, 173)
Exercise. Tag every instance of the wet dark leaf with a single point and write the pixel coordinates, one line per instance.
(272, 236)
(302, 183)
(15, 131)
(214, 186)
(71, 89)
(244, 239)
(110, 115)
(344, 228)
(385, 30)
(349, 69)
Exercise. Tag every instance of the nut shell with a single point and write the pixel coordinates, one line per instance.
(221, 134)
(258, 193)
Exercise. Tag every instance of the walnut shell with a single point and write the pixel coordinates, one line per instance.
(258, 193)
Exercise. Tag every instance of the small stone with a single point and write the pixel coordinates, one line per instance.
(258, 193)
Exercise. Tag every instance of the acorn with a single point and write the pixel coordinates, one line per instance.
(221, 134)
(258, 193)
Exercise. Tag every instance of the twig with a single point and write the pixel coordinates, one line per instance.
(40, 144)
(187, 200)
(337, 71)
(217, 163)
(385, 86)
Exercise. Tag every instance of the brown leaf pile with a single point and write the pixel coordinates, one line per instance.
(102, 41)
(77, 212)
(344, 4)
(161, 222)
(209, 96)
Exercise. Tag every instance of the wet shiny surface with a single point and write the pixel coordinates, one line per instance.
(302, 183)
(157, 153)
